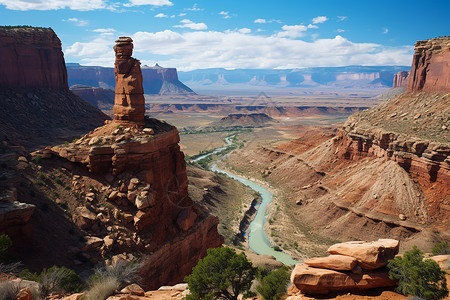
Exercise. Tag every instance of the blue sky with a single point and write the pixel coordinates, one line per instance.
(237, 34)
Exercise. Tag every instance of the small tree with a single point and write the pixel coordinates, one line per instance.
(418, 277)
(222, 274)
(274, 285)
(441, 248)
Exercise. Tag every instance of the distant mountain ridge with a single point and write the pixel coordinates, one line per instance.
(338, 77)
(157, 80)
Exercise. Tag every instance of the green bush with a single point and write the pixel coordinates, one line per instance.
(418, 277)
(37, 159)
(222, 274)
(5, 244)
(274, 285)
(441, 248)
(55, 279)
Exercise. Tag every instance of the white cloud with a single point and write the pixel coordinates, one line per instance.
(245, 30)
(342, 18)
(340, 30)
(194, 8)
(225, 14)
(260, 21)
(105, 32)
(181, 14)
(149, 2)
(233, 49)
(82, 5)
(319, 19)
(189, 24)
(76, 21)
(292, 31)
(385, 31)
(239, 49)
(161, 15)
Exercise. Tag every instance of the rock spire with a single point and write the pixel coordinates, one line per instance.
(129, 103)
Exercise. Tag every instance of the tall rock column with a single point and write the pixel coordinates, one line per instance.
(129, 102)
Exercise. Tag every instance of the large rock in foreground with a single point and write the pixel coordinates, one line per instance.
(370, 255)
(323, 281)
(333, 262)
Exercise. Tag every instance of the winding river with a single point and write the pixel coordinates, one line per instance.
(257, 238)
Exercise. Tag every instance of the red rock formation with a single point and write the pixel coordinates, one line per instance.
(430, 70)
(98, 97)
(400, 79)
(323, 281)
(31, 57)
(129, 104)
(320, 275)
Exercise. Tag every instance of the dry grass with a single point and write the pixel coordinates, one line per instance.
(102, 289)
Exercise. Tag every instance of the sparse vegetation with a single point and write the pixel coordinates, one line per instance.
(37, 159)
(102, 289)
(54, 279)
(273, 285)
(418, 277)
(222, 274)
(441, 248)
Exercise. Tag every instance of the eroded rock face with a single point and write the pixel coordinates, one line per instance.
(129, 103)
(31, 58)
(370, 255)
(430, 70)
(323, 281)
(400, 79)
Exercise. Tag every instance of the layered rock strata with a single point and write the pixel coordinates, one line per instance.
(430, 70)
(331, 274)
(129, 102)
(31, 58)
(400, 79)
(140, 162)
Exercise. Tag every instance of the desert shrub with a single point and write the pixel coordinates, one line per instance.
(102, 288)
(418, 277)
(54, 279)
(5, 244)
(11, 268)
(441, 248)
(58, 180)
(37, 159)
(122, 271)
(274, 284)
(222, 274)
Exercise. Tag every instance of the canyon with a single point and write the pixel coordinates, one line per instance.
(156, 80)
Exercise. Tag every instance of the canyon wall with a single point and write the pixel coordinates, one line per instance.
(37, 107)
(430, 70)
(156, 80)
(400, 79)
(31, 58)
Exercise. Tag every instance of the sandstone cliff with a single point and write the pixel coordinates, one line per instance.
(31, 58)
(400, 79)
(37, 107)
(131, 188)
(96, 96)
(156, 80)
(430, 69)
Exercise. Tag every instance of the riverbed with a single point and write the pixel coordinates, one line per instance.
(257, 237)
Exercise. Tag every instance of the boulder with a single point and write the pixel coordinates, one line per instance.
(442, 260)
(24, 294)
(186, 219)
(370, 255)
(333, 262)
(133, 289)
(323, 281)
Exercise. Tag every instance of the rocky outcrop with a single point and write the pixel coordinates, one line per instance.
(400, 79)
(96, 96)
(37, 107)
(141, 161)
(370, 255)
(156, 80)
(322, 276)
(430, 70)
(31, 58)
(324, 281)
(129, 102)
(250, 120)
